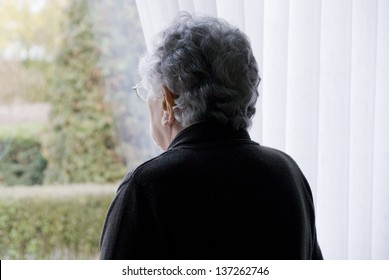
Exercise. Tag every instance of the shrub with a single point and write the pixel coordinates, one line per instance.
(21, 161)
(52, 228)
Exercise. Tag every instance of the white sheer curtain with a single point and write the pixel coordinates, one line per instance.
(324, 100)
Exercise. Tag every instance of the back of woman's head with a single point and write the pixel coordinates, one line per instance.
(209, 67)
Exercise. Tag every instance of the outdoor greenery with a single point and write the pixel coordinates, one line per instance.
(52, 227)
(28, 41)
(83, 145)
(21, 161)
(79, 58)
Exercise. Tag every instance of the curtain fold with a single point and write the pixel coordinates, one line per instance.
(275, 66)
(334, 126)
(302, 103)
(380, 215)
(324, 99)
(363, 83)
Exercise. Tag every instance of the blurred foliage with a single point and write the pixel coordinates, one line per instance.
(21, 160)
(83, 145)
(82, 57)
(29, 38)
(29, 28)
(119, 32)
(52, 228)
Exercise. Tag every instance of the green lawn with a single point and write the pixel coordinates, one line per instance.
(15, 130)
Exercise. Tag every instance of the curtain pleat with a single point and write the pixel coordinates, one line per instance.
(380, 204)
(155, 15)
(334, 127)
(324, 99)
(186, 5)
(302, 107)
(363, 81)
(232, 11)
(205, 7)
(275, 65)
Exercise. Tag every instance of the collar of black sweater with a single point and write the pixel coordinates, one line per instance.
(208, 132)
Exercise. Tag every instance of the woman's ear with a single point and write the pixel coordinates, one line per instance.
(167, 107)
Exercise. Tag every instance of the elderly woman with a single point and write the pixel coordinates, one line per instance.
(213, 193)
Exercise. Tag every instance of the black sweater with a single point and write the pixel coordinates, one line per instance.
(214, 194)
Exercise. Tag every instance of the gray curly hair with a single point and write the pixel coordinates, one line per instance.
(209, 67)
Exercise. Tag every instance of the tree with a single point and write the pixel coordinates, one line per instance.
(29, 38)
(24, 28)
(84, 144)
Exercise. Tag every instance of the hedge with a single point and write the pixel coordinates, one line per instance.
(52, 228)
(21, 161)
